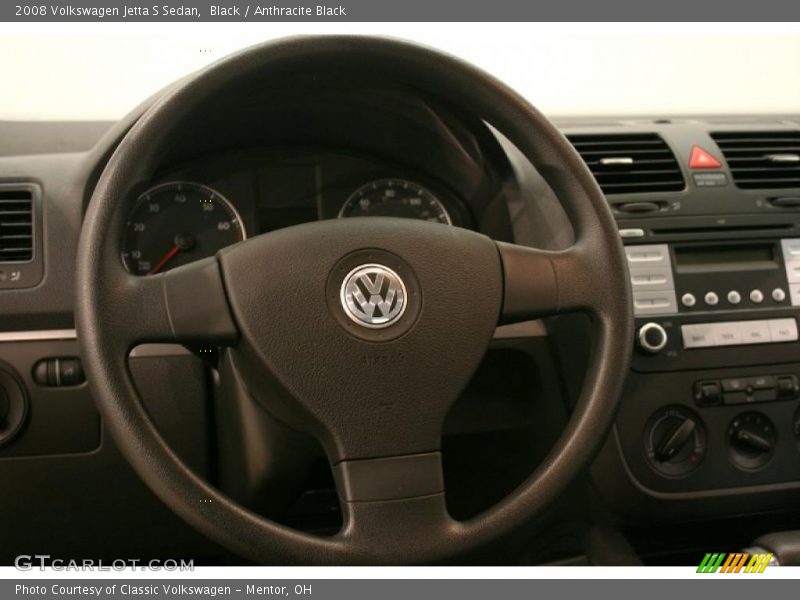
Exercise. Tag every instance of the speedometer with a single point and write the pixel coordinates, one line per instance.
(395, 198)
(177, 223)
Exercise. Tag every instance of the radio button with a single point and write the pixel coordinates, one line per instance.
(755, 332)
(654, 303)
(711, 299)
(697, 336)
(794, 294)
(648, 255)
(756, 296)
(727, 334)
(651, 278)
(778, 295)
(793, 270)
(791, 248)
(783, 330)
(734, 297)
(631, 233)
(688, 300)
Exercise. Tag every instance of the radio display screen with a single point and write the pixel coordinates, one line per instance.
(743, 257)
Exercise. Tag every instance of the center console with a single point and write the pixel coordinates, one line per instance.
(709, 216)
(712, 402)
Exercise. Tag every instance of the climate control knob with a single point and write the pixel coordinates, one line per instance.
(675, 441)
(751, 440)
(652, 338)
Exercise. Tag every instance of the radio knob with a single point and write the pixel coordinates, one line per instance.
(652, 338)
(756, 297)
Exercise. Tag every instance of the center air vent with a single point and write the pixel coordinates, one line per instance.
(16, 226)
(762, 159)
(630, 163)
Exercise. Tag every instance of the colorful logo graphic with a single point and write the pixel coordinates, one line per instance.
(737, 562)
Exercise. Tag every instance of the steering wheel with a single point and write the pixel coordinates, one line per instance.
(371, 327)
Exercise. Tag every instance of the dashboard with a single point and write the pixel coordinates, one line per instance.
(709, 425)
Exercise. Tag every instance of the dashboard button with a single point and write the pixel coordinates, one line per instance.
(707, 393)
(778, 295)
(793, 270)
(735, 398)
(787, 387)
(703, 159)
(71, 372)
(688, 300)
(727, 334)
(631, 233)
(735, 384)
(711, 299)
(651, 278)
(756, 296)
(655, 254)
(763, 395)
(697, 336)
(734, 297)
(764, 382)
(755, 332)
(783, 330)
(710, 179)
(794, 293)
(654, 303)
(791, 248)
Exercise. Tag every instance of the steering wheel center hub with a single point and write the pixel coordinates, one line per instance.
(374, 295)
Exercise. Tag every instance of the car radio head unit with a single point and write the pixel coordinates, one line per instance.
(697, 303)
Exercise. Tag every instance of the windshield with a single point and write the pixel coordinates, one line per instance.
(101, 71)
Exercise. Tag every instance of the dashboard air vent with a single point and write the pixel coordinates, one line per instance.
(16, 225)
(762, 159)
(630, 163)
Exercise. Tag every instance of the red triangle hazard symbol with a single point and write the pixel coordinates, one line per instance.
(701, 159)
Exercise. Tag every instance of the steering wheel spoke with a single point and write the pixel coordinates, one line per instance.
(540, 283)
(402, 496)
(187, 304)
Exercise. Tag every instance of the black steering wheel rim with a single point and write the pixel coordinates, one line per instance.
(590, 276)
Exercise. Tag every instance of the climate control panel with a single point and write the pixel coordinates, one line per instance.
(711, 430)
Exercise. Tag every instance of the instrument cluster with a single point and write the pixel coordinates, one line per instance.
(194, 212)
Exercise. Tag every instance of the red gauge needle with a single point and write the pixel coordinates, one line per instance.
(167, 257)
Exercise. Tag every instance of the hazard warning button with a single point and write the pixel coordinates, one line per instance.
(702, 159)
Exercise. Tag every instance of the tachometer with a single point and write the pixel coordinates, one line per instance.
(395, 198)
(177, 223)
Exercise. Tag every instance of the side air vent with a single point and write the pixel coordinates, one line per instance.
(630, 163)
(16, 225)
(762, 159)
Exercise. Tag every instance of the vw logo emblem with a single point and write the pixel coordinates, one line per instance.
(373, 296)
